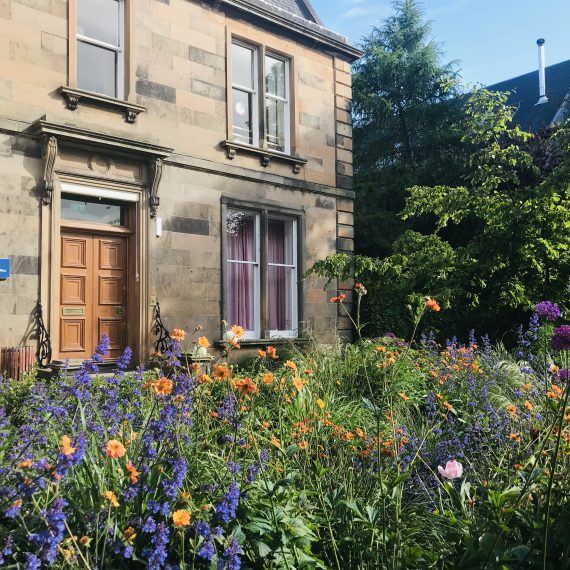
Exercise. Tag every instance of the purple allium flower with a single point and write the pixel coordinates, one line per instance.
(548, 310)
(564, 374)
(561, 338)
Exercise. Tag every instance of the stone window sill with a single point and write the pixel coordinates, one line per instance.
(265, 155)
(74, 96)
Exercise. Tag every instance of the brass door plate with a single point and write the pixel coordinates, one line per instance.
(73, 311)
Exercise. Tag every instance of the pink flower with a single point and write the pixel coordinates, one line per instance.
(453, 470)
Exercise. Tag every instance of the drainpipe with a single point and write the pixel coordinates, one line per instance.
(541, 72)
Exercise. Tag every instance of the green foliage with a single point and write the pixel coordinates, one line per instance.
(351, 436)
(406, 105)
(503, 234)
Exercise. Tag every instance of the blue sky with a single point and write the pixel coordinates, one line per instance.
(492, 39)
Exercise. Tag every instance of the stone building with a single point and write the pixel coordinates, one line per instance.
(197, 154)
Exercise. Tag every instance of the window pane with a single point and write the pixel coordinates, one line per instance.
(99, 20)
(275, 122)
(91, 210)
(242, 116)
(96, 69)
(280, 298)
(241, 236)
(275, 77)
(241, 288)
(280, 242)
(242, 65)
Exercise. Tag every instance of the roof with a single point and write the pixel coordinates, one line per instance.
(300, 8)
(525, 94)
(296, 17)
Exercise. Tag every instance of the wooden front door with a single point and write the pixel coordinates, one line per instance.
(93, 296)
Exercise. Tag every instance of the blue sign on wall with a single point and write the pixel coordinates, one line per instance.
(4, 268)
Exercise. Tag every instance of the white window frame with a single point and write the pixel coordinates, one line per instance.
(253, 91)
(293, 333)
(286, 101)
(256, 333)
(118, 49)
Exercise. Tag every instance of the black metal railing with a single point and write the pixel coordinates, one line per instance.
(43, 356)
(163, 340)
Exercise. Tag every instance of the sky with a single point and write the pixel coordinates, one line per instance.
(492, 40)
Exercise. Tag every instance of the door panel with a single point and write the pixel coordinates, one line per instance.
(115, 330)
(72, 334)
(112, 254)
(93, 294)
(75, 295)
(73, 289)
(74, 251)
(111, 290)
(110, 309)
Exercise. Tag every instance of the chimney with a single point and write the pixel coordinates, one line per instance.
(541, 72)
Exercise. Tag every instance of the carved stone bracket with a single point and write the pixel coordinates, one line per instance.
(265, 156)
(49, 156)
(155, 169)
(72, 101)
(73, 96)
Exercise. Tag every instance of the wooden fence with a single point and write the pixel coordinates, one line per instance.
(15, 361)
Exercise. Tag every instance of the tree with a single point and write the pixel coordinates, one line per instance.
(501, 238)
(405, 106)
(508, 225)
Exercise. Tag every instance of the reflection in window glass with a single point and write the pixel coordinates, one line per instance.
(91, 210)
(96, 69)
(99, 20)
(275, 124)
(275, 77)
(242, 116)
(242, 66)
(276, 103)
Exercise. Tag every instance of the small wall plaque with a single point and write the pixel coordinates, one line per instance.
(4, 268)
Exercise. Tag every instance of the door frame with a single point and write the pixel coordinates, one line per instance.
(137, 247)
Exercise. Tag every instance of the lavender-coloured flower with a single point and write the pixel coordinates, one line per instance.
(231, 559)
(564, 374)
(32, 562)
(228, 506)
(561, 338)
(49, 538)
(158, 554)
(149, 525)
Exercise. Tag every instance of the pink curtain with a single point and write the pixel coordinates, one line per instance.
(241, 276)
(277, 277)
